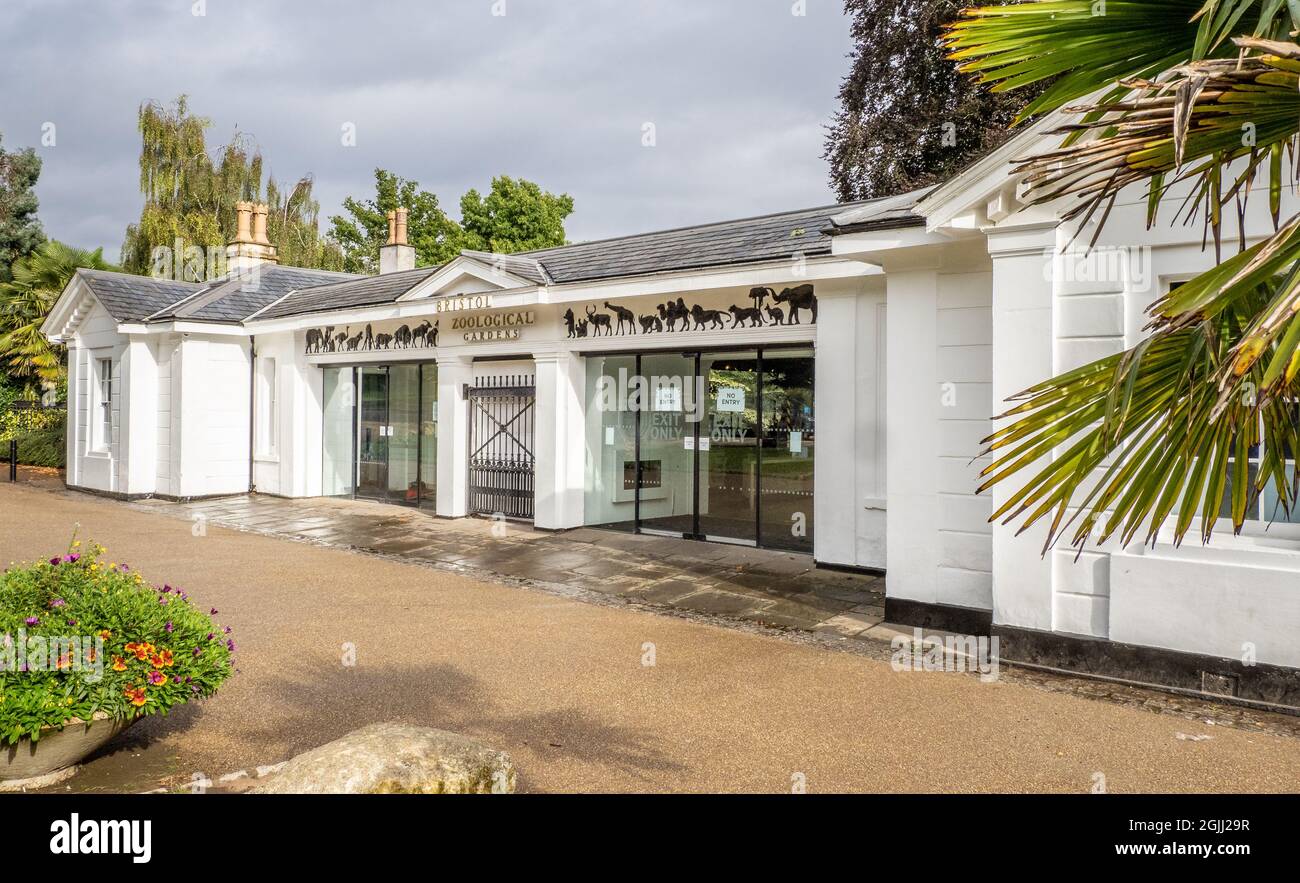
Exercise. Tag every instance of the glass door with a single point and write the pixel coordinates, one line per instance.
(373, 433)
(728, 448)
(665, 462)
(786, 446)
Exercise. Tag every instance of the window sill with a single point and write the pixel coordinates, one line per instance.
(266, 458)
(99, 455)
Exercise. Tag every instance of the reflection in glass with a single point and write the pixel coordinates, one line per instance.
(669, 417)
(610, 492)
(786, 468)
(403, 433)
(372, 433)
(728, 445)
(428, 435)
(339, 399)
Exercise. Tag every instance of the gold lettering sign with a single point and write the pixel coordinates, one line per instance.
(494, 326)
(464, 302)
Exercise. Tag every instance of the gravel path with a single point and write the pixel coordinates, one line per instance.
(563, 686)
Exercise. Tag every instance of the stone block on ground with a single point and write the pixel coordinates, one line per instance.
(394, 758)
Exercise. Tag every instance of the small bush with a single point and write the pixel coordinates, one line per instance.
(79, 637)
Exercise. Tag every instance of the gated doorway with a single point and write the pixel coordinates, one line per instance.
(501, 416)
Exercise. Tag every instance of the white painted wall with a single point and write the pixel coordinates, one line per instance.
(95, 466)
(849, 481)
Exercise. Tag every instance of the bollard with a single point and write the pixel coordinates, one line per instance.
(13, 459)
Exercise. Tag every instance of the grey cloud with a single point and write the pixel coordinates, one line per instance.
(443, 92)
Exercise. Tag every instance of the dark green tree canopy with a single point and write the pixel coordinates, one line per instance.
(364, 229)
(20, 231)
(907, 118)
(516, 215)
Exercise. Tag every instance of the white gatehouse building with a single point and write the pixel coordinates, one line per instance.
(815, 381)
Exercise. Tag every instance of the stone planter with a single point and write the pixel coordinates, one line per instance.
(54, 757)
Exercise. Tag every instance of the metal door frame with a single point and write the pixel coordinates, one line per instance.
(504, 482)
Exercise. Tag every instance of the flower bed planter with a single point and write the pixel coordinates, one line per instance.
(83, 641)
(38, 764)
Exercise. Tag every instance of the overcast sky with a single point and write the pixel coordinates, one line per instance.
(442, 91)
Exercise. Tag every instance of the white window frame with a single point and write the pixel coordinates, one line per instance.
(101, 419)
(267, 392)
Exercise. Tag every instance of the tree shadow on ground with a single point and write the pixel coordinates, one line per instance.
(309, 708)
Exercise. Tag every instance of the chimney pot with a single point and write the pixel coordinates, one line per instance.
(260, 211)
(243, 222)
(392, 228)
(401, 228)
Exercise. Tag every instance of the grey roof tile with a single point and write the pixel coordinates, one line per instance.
(131, 298)
(238, 297)
(766, 238)
(361, 292)
(291, 291)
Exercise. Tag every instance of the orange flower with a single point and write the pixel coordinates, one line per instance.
(142, 651)
(119, 664)
(136, 695)
(155, 660)
(106, 634)
(167, 658)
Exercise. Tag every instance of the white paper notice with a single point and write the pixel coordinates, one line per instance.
(668, 398)
(796, 442)
(704, 443)
(688, 443)
(609, 435)
(731, 398)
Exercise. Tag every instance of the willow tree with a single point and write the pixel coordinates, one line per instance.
(190, 196)
(1202, 96)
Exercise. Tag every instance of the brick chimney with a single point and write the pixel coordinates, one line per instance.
(396, 255)
(251, 247)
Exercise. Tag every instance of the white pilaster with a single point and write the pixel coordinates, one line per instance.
(138, 432)
(835, 471)
(912, 435)
(1022, 356)
(558, 442)
(454, 374)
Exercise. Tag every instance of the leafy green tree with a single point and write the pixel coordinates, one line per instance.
(20, 231)
(190, 196)
(1174, 92)
(360, 235)
(907, 117)
(516, 215)
(25, 301)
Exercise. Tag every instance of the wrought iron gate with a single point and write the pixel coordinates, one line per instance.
(501, 417)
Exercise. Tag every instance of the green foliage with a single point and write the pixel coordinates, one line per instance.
(1164, 430)
(907, 118)
(20, 231)
(149, 648)
(516, 215)
(25, 301)
(435, 237)
(190, 198)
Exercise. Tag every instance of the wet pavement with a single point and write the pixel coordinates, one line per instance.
(777, 590)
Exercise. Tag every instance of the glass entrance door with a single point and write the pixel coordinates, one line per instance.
(705, 445)
(728, 448)
(372, 433)
(396, 433)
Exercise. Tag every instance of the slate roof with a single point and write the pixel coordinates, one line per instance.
(291, 291)
(765, 238)
(361, 292)
(880, 214)
(236, 298)
(131, 298)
